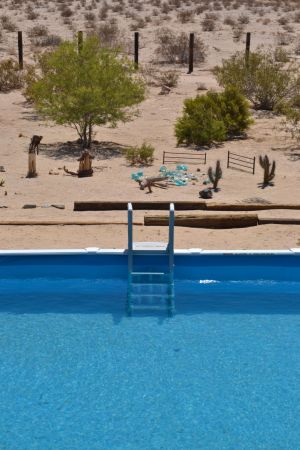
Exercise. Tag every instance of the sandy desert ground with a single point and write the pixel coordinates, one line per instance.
(268, 22)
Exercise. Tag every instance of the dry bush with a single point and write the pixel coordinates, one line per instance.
(7, 24)
(50, 40)
(238, 31)
(10, 75)
(31, 13)
(174, 47)
(229, 21)
(185, 16)
(37, 31)
(111, 35)
(283, 38)
(244, 19)
(208, 25)
(283, 20)
(66, 12)
(297, 46)
(169, 78)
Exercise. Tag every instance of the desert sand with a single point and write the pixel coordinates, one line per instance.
(155, 125)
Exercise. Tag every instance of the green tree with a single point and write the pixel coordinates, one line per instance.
(263, 79)
(95, 86)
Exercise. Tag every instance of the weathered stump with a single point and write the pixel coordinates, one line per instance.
(32, 152)
(32, 173)
(85, 164)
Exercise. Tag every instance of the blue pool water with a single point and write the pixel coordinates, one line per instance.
(77, 373)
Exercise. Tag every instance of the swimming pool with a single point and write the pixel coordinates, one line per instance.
(77, 373)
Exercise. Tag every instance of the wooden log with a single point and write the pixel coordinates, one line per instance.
(32, 173)
(211, 206)
(205, 221)
(63, 222)
(138, 205)
(197, 205)
(278, 221)
(150, 181)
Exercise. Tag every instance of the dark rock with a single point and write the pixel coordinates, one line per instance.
(206, 193)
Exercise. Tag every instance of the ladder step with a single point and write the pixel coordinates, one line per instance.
(151, 296)
(150, 278)
(148, 308)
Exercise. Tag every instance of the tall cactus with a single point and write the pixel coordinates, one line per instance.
(269, 170)
(215, 176)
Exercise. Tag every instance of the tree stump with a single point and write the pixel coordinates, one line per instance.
(85, 164)
(32, 152)
(32, 173)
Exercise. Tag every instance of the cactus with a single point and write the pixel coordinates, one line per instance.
(269, 170)
(215, 176)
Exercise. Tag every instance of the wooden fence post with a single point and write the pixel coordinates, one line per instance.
(80, 41)
(20, 49)
(248, 41)
(254, 165)
(136, 49)
(228, 159)
(191, 52)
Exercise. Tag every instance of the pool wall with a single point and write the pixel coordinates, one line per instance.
(190, 264)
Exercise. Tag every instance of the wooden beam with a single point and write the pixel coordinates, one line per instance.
(139, 205)
(62, 222)
(278, 221)
(199, 205)
(205, 221)
(211, 206)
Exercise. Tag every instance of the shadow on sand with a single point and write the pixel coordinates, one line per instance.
(70, 150)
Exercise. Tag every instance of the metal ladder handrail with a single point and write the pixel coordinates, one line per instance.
(170, 247)
(171, 237)
(130, 237)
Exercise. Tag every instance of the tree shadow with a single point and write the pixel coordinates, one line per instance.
(72, 149)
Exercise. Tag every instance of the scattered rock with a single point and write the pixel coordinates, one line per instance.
(165, 90)
(52, 172)
(29, 206)
(2, 169)
(3, 206)
(206, 193)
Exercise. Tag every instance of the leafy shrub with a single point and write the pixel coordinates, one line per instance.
(174, 47)
(140, 155)
(213, 117)
(10, 75)
(265, 81)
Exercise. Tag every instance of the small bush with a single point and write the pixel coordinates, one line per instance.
(169, 78)
(213, 117)
(37, 31)
(8, 24)
(10, 75)
(174, 48)
(208, 25)
(111, 35)
(265, 81)
(140, 155)
(51, 40)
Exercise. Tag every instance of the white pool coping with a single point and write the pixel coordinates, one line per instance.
(107, 251)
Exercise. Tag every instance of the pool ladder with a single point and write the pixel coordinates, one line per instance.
(148, 289)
